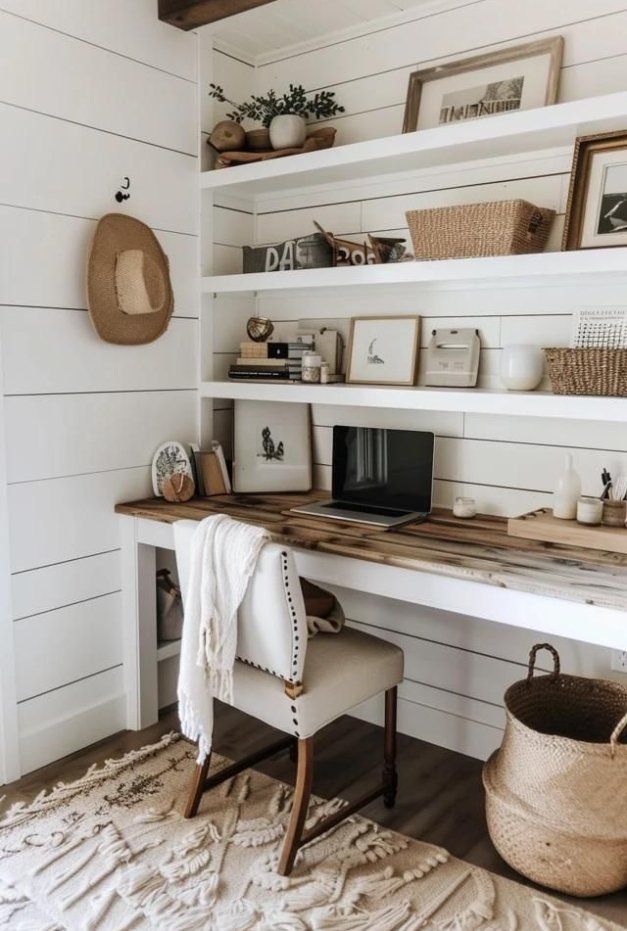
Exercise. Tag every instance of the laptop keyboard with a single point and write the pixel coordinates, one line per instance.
(364, 509)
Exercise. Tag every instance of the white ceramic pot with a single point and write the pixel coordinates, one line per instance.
(287, 131)
(522, 367)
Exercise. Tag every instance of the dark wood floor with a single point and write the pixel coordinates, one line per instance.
(440, 796)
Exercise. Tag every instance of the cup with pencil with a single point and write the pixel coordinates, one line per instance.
(614, 497)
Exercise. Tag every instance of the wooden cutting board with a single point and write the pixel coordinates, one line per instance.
(541, 525)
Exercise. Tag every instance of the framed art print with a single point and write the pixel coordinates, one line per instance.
(596, 213)
(383, 350)
(504, 81)
(271, 447)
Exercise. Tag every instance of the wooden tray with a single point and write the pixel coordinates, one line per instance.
(541, 525)
(321, 138)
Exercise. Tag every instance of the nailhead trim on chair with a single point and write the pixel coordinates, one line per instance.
(295, 638)
(295, 643)
(249, 662)
(292, 610)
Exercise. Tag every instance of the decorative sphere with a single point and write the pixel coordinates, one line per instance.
(259, 329)
(227, 136)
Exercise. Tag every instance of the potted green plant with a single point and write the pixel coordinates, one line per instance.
(283, 115)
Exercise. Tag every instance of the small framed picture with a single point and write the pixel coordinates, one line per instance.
(271, 447)
(596, 213)
(383, 350)
(510, 79)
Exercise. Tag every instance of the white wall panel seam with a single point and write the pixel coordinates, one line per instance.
(100, 129)
(102, 48)
(69, 604)
(427, 62)
(79, 216)
(65, 685)
(63, 562)
(365, 33)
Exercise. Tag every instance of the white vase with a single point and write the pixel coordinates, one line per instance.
(287, 131)
(522, 367)
(567, 491)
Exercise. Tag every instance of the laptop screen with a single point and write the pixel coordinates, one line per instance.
(383, 468)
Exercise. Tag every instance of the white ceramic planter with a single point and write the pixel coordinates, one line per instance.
(522, 367)
(287, 131)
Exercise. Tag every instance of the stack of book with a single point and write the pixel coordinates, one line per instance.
(270, 361)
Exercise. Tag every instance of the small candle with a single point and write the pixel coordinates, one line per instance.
(589, 511)
(464, 507)
(311, 367)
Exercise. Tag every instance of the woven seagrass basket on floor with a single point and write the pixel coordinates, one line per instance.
(506, 227)
(556, 790)
(588, 371)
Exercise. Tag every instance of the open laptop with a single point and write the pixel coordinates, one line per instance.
(380, 477)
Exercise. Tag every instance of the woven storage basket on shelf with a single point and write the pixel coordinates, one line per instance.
(588, 371)
(556, 790)
(506, 227)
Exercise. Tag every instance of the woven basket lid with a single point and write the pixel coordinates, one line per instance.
(129, 294)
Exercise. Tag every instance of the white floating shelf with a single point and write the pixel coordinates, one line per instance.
(470, 400)
(167, 649)
(505, 135)
(514, 269)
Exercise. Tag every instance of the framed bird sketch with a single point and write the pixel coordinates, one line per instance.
(383, 350)
(271, 447)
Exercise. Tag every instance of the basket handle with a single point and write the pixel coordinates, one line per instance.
(556, 661)
(618, 730)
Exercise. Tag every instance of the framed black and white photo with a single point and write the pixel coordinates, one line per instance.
(271, 447)
(383, 350)
(510, 79)
(596, 213)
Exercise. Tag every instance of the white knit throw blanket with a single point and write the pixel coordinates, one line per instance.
(222, 558)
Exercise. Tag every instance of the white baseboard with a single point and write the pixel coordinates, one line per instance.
(68, 719)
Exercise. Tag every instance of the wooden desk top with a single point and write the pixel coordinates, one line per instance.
(475, 550)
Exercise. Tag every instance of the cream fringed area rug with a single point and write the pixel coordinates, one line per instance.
(113, 852)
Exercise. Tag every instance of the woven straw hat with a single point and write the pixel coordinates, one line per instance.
(129, 293)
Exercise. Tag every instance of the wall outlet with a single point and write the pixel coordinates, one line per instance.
(619, 661)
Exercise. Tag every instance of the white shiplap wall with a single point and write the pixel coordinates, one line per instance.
(91, 91)
(456, 670)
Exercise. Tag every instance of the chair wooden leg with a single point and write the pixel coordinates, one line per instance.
(197, 787)
(302, 792)
(390, 777)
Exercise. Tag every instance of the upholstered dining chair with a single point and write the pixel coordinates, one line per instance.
(298, 686)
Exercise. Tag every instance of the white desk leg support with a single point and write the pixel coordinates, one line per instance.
(139, 605)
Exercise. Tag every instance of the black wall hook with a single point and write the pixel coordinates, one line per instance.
(123, 193)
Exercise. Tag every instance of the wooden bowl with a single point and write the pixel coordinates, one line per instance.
(258, 140)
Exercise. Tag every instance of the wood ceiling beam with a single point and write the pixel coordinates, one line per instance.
(190, 14)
